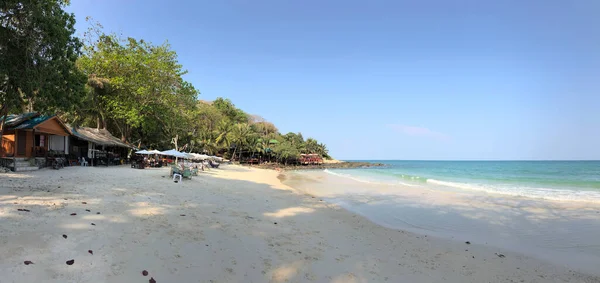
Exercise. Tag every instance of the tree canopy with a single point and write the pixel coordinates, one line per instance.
(37, 56)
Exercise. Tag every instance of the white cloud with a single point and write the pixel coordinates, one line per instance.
(419, 132)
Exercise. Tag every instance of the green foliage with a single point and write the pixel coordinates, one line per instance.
(137, 89)
(228, 109)
(37, 57)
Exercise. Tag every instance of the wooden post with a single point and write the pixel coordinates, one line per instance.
(33, 148)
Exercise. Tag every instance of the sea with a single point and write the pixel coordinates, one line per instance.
(544, 209)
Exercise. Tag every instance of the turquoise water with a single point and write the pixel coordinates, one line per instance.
(557, 180)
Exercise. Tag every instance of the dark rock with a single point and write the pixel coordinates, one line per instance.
(28, 262)
(73, 214)
(145, 273)
(70, 262)
(64, 236)
(467, 242)
(151, 280)
(90, 252)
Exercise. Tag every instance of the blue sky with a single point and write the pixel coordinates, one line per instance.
(391, 79)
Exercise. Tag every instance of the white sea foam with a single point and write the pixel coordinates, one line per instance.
(542, 193)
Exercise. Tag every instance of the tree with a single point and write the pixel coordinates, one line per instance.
(143, 91)
(37, 56)
(240, 135)
(286, 152)
(227, 108)
(223, 134)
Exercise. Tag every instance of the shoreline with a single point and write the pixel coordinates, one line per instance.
(235, 224)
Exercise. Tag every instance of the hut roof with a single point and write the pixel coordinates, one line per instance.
(98, 136)
(31, 120)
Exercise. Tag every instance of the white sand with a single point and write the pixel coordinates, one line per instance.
(228, 234)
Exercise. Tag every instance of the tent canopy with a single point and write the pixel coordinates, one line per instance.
(142, 152)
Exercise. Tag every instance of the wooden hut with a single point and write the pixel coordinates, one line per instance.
(27, 138)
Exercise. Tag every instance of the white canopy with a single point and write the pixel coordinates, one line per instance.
(155, 152)
(142, 152)
(174, 153)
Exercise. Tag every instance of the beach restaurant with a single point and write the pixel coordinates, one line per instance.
(98, 146)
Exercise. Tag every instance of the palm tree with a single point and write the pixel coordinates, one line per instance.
(240, 134)
(311, 146)
(222, 134)
(254, 145)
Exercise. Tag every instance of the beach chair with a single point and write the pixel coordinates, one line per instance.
(175, 170)
(187, 173)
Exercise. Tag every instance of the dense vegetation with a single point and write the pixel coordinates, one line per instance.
(131, 87)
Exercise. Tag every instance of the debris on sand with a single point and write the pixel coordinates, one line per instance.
(181, 214)
(70, 262)
(64, 236)
(88, 210)
(23, 209)
(28, 262)
(73, 214)
(97, 212)
(90, 252)
(467, 242)
(145, 273)
(499, 255)
(83, 202)
(151, 280)
(93, 224)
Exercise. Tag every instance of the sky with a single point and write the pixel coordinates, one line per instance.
(375, 80)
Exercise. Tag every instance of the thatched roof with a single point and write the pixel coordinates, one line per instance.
(99, 136)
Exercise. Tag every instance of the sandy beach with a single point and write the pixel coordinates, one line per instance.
(234, 224)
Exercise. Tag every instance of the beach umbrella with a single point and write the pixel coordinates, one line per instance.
(173, 153)
(154, 152)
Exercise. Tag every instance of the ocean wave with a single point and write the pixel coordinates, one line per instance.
(531, 192)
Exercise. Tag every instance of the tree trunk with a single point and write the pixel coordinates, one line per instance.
(3, 114)
(233, 155)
